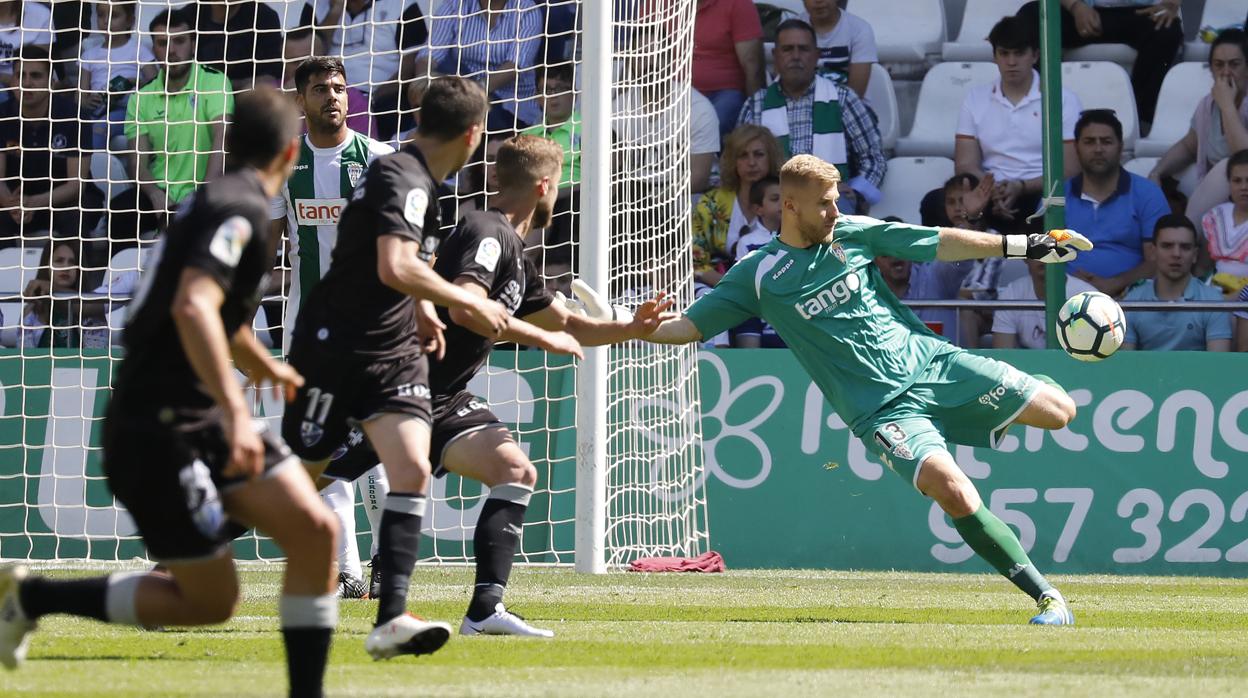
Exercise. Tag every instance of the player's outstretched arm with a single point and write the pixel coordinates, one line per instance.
(675, 330)
(400, 268)
(517, 330)
(957, 244)
(197, 315)
(601, 325)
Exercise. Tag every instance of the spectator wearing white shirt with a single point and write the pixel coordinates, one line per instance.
(112, 71)
(495, 42)
(1025, 329)
(1000, 130)
(846, 43)
(21, 24)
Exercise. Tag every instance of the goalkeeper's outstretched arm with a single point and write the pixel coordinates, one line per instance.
(678, 330)
(957, 244)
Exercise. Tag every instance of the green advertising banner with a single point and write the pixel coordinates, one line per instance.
(1150, 478)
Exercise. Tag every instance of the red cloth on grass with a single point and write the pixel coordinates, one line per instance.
(706, 562)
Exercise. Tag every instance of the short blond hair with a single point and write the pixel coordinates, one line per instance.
(524, 160)
(736, 142)
(803, 170)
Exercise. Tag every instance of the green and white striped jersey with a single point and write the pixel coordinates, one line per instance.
(311, 203)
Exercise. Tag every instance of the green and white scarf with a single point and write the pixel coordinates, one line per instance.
(828, 126)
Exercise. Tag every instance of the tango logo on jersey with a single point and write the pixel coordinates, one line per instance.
(830, 297)
(319, 211)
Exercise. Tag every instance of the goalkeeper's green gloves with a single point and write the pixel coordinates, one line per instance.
(1051, 247)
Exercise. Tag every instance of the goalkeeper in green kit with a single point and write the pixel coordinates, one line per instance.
(901, 388)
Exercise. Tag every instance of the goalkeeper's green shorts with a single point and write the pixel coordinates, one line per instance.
(959, 398)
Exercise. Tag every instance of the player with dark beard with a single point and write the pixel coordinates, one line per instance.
(357, 340)
(181, 450)
(485, 257)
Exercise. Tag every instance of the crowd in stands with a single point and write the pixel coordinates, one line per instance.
(146, 98)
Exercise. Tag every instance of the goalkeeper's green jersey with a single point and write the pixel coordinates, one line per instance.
(859, 343)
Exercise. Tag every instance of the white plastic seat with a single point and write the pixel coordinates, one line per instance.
(940, 102)
(908, 179)
(978, 19)
(1183, 88)
(795, 6)
(18, 265)
(126, 263)
(1104, 85)
(1121, 54)
(883, 100)
(906, 31)
(1142, 166)
(1217, 14)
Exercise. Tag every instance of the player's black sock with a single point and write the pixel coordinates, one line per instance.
(110, 598)
(307, 628)
(400, 538)
(495, 541)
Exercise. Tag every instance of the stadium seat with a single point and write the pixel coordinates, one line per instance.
(940, 101)
(1183, 88)
(920, 35)
(10, 322)
(148, 9)
(17, 267)
(883, 101)
(1105, 85)
(1142, 166)
(1121, 54)
(905, 183)
(978, 19)
(1217, 14)
(789, 5)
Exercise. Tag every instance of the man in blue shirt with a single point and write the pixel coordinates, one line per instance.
(1117, 210)
(1171, 330)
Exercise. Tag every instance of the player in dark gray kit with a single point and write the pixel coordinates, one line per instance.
(485, 257)
(357, 340)
(181, 450)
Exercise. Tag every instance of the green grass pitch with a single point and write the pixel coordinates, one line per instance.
(745, 633)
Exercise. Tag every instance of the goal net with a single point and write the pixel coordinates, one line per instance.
(89, 179)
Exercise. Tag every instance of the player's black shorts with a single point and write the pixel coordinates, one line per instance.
(339, 394)
(454, 416)
(168, 471)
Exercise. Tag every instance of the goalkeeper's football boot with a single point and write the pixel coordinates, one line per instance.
(1053, 610)
(502, 622)
(351, 586)
(406, 634)
(15, 627)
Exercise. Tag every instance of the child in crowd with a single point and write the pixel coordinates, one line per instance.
(113, 70)
(765, 202)
(1226, 230)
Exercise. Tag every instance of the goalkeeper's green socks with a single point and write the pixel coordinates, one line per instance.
(995, 542)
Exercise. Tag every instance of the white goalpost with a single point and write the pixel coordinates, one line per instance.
(615, 438)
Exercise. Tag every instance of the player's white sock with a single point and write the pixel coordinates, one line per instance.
(119, 597)
(374, 487)
(340, 498)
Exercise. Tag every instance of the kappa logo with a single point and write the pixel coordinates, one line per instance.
(835, 295)
(783, 269)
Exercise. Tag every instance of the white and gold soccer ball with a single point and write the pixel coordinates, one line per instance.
(1091, 326)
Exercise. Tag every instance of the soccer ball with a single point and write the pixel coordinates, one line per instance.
(1090, 326)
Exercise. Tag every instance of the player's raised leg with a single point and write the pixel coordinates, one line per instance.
(490, 456)
(940, 478)
(402, 443)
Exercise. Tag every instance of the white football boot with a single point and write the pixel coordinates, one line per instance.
(14, 626)
(502, 622)
(406, 634)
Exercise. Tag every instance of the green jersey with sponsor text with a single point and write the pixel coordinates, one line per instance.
(311, 203)
(859, 343)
